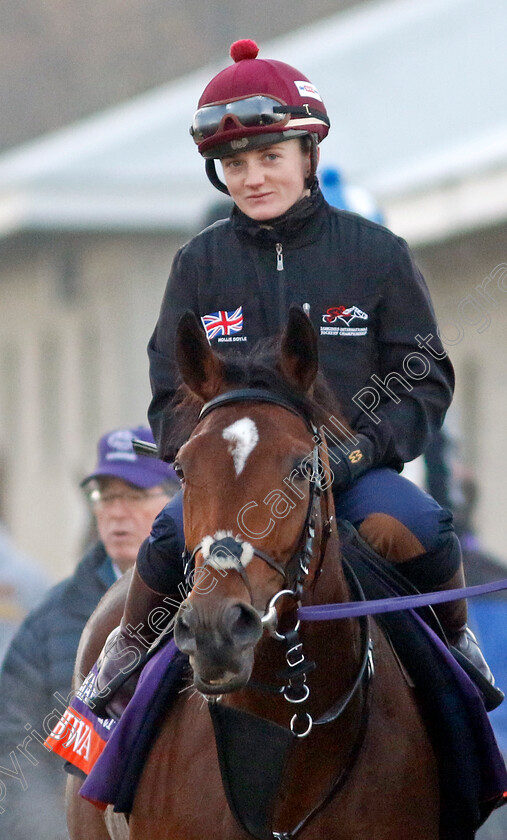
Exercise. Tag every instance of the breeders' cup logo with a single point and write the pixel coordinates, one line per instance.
(119, 446)
(342, 317)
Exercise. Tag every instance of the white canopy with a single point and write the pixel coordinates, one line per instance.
(417, 95)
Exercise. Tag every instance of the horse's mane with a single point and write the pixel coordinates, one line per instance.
(257, 369)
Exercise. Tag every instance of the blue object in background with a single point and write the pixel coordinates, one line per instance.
(22, 586)
(488, 619)
(344, 196)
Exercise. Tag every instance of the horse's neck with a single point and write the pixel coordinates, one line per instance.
(330, 585)
(336, 640)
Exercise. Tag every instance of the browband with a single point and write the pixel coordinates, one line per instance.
(253, 395)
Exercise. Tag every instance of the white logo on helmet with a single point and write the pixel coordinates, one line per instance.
(239, 144)
(307, 89)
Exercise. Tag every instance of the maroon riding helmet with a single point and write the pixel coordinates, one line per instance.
(254, 103)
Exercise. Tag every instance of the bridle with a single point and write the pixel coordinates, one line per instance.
(296, 570)
(295, 689)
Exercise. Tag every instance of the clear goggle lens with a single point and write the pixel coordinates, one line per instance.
(250, 112)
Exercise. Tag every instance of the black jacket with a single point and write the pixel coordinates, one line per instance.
(334, 261)
(39, 662)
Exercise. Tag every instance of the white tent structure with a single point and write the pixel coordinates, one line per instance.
(90, 217)
(416, 91)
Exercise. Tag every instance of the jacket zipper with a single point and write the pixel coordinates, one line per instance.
(279, 256)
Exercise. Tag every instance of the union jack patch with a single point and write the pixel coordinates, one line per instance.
(223, 322)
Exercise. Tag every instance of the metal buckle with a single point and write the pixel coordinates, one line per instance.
(270, 618)
(297, 699)
(306, 731)
(297, 650)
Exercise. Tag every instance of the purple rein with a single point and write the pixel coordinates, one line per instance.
(352, 609)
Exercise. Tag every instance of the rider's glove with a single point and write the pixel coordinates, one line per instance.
(346, 467)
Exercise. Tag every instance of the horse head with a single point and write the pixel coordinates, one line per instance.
(249, 484)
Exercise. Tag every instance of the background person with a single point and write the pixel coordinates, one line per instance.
(126, 492)
(453, 485)
(22, 586)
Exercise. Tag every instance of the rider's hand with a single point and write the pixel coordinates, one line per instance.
(347, 467)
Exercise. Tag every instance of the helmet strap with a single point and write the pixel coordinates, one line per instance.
(211, 172)
(314, 161)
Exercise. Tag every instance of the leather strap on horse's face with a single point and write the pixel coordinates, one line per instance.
(229, 550)
(295, 571)
(253, 395)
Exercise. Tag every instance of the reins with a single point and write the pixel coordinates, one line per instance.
(295, 689)
(351, 609)
(354, 609)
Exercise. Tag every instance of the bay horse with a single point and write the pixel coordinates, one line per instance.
(259, 526)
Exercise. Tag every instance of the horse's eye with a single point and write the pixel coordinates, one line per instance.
(302, 470)
(178, 469)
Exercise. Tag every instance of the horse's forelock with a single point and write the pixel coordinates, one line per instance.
(258, 369)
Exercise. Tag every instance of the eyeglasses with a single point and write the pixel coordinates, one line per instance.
(98, 498)
(249, 112)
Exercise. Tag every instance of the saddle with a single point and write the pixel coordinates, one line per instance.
(381, 579)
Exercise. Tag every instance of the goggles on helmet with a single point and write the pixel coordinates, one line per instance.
(249, 112)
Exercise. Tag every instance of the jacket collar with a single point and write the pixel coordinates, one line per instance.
(301, 222)
(96, 563)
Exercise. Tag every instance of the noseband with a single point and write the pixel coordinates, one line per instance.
(231, 549)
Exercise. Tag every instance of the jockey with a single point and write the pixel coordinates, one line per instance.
(378, 340)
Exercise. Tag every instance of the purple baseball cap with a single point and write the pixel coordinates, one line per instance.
(117, 459)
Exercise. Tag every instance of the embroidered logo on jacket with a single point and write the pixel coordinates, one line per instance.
(223, 325)
(342, 317)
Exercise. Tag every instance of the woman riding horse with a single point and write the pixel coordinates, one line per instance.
(311, 729)
(378, 339)
(319, 732)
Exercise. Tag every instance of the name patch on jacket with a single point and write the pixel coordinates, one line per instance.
(338, 321)
(224, 325)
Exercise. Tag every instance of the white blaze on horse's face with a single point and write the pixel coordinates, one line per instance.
(243, 437)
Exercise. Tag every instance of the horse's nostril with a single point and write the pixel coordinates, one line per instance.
(183, 622)
(183, 632)
(244, 624)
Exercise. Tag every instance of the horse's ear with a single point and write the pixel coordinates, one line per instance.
(299, 359)
(200, 369)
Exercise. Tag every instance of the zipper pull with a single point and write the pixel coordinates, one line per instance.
(279, 256)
